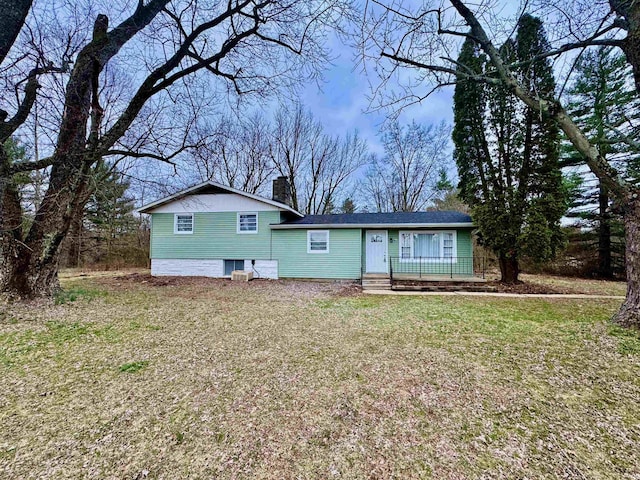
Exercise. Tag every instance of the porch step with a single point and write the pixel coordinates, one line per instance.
(445, 287)
(376, 282)
(376, 287)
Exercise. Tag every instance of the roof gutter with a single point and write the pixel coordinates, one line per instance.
(309, 226)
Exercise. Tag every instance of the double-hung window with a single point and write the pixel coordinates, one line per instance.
(317, 241)
(247, 223)
(427, 246)
(183, 223)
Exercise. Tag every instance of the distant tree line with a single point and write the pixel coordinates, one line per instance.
(327, 173)
(405, 178)
(248, 152)
(108, 234)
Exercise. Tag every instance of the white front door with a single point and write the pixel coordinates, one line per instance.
(377, 261)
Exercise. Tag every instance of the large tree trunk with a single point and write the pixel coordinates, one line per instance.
(13, 250)
(509, 269)
(629, 313)
(630, 11)
(30, 265)
(23, 276)
(12, 16)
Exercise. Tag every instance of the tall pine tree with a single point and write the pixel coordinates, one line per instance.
(107, 222)
(507, 155)
(605, 105)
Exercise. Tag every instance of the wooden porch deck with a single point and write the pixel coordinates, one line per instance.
(438, 278)
(407, 281)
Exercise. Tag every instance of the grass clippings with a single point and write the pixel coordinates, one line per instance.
(302, 380)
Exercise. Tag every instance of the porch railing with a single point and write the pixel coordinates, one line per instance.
(439, 267)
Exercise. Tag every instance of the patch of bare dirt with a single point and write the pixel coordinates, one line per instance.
(292, 287)
(534, 288)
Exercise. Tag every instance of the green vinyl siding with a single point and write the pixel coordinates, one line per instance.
(464, 245)
(342, 261)
(214, 237)
(465, 252)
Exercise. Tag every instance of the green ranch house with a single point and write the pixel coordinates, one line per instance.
(211, 230)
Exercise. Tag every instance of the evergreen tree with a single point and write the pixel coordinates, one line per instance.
(444, 184)
(604, 104)
(448, 197)
(450, 201)
(109, 210)
(108, 218)
(348, 206)
(507, 155)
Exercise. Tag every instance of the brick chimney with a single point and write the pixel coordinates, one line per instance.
(281, 190)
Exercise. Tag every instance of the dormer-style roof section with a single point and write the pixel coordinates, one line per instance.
(433, 219)
(212, 196)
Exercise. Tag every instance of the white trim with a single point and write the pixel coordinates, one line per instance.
(441, 259)
(150, 206)
(175, 223)
(309, 232)
(373, 226)
(246, 232)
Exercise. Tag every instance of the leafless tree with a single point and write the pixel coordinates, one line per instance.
(316, 164)
(179, 54)
(423, 43)
(236, 153)
(335, 175)
(405, 178)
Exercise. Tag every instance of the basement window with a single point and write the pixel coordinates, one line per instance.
(183, 223)
(231, 265)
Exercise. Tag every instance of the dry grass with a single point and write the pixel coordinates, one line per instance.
(578, 285)
(208, 379)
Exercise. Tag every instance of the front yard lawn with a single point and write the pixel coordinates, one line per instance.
(128, 377)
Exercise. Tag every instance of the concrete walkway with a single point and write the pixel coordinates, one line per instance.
(560, 296)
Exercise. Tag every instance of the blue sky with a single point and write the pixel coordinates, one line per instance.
(342, 102)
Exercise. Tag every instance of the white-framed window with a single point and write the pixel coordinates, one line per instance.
(317, 241)
(428, 247)
(247, 222)
(183, 223)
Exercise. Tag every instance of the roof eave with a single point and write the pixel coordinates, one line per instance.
(183, 193)
(163, 201)
(284, 226)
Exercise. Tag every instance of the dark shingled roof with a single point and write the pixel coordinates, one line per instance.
(403, 218)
